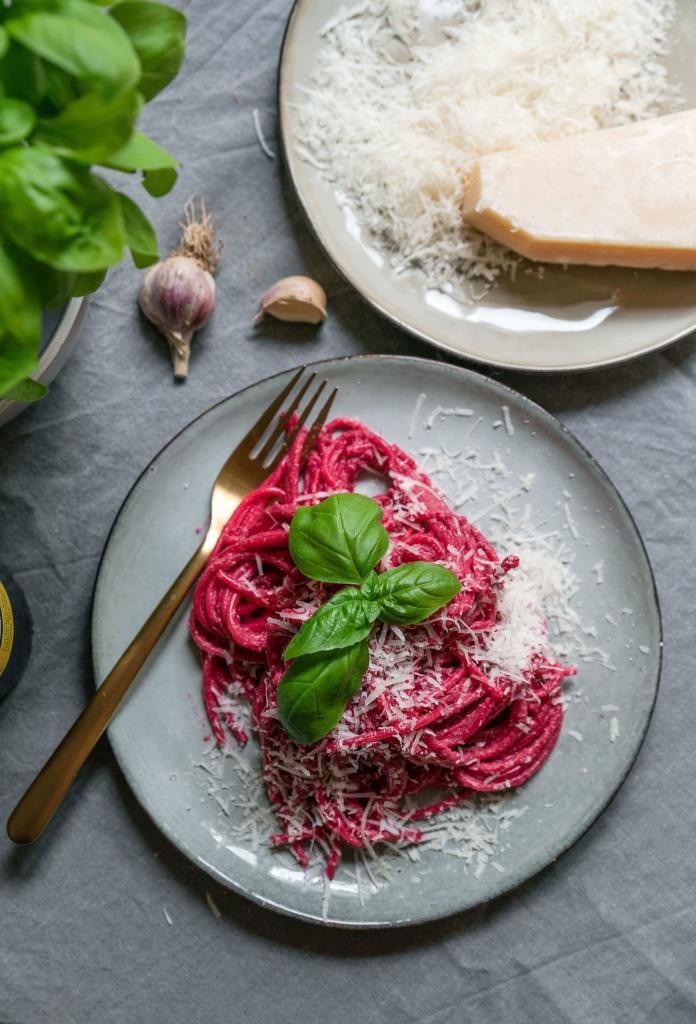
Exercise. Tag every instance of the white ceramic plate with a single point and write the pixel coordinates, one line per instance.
(575, 319)
(159, 734)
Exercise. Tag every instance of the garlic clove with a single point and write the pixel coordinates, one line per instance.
(296, 299)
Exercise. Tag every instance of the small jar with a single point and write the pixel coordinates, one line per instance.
(15, 633)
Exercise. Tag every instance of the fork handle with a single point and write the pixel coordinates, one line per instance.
(46, 793)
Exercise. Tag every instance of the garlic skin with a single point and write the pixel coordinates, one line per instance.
(178, 297)
(295, 299)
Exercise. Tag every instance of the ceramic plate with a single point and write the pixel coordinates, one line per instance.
(575, 319)
(160, 736)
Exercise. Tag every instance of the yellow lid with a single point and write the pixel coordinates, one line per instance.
(6, 629)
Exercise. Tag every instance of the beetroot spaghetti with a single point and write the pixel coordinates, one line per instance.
(440, 714)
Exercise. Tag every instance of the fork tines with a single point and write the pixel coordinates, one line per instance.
(278, 418)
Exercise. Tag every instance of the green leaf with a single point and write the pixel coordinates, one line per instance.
(82, 40)
(158, 183)
(20, 321)
(4, 42)
(158, 34)
(140, 234)
(17, 119)
(26, 391)
(412, 592)
(141, 153)
(60, 89)
(345, 619)
(54, 287)
(23, 75)
(85, 284)
(315, 690)
(59, 212)
(339, 540)
(91, 128)
(20, 6)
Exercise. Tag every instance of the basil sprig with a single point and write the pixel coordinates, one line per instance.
(341, 540)
(74, 78)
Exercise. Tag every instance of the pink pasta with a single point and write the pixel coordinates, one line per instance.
(434, 719)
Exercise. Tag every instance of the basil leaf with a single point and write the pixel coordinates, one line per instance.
(20, 321)
(140, 153)
(60, 89)
(19, 6)
(158, 34)
(26, 391)
(315, 690)
(339, 540)
(140, 234)
(412, 592)
(158, 183)
(23, 75)
(91, 128)
(85, 284)
(59, 212)
(17, 120)
(345, 619)
(53, 287)
(4, 42)
(82, 40)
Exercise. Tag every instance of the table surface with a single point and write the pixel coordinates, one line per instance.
(605, 935)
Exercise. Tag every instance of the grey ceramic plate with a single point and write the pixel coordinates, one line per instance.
(575, 319)
(158, 736)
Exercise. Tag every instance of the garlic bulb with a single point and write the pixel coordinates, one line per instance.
(178, 297)
(296, 299)
(178, 294)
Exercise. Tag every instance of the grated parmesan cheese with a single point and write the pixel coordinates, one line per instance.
(260, 136)
(416, 413)
(214, 909)
(406, 94)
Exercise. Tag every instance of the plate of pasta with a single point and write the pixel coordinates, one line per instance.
(410, 675)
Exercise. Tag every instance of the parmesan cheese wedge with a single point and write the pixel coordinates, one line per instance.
(623, 196)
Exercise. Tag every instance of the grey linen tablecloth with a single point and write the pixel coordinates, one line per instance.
(605, 935)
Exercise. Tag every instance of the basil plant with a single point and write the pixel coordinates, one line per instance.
(74, 77)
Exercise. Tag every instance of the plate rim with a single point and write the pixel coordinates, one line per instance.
(377, 305)
(225, 880)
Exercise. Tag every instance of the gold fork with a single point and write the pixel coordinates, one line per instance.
(243, 472)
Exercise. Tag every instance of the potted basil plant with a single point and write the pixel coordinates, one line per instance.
(74, 76)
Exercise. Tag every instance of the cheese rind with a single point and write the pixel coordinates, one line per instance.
(623, 196)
